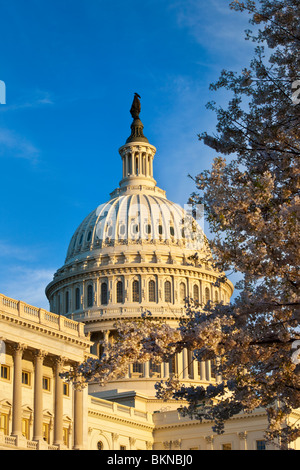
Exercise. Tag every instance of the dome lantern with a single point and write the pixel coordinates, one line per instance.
(137, 154)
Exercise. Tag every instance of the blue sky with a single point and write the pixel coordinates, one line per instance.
(71, 68)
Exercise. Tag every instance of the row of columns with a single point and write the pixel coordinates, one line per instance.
(137, 163)
(38, 401)
(187, 368)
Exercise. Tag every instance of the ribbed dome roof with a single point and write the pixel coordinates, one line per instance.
(135, 218)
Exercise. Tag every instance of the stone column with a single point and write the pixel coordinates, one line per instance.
(166, 370)
(140, 169)
(185, 364)
(146, 370)
(195, 369)
(132, 442)
(106, 339)
(78, 419)
(58, 404)
(202, 371)
(115, 438)
(209, 442)
(17, 391)
(132, 164)
(179, 361)
(38, 397)
(243, 440)
(208, 370)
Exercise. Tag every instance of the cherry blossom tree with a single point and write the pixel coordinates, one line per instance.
(252, 205)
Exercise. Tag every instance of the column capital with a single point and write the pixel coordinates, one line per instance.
(59, 361)
(39, 354)
(19, 348)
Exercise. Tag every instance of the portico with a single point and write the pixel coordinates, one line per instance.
(30, 372)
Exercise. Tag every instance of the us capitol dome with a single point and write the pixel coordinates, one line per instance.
(135, 253)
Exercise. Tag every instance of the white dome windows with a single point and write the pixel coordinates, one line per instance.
(104, 293)
(119, 292)
(196, 297)
(207, 295)
(152, 291)
(168, 291)
(182, 292)
(135, 291)
(90, 295)
(77, 298)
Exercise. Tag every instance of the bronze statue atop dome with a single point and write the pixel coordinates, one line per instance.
(136, 126)
(136, 106)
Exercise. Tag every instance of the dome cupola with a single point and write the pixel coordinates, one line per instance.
(137, 154)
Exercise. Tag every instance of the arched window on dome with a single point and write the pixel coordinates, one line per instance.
(196, 294)
(119, 290)
(168, 293)
(135, 291)
(103, 293)
(207, 295)
(151, 291)
(77, 298)
(90, 295)
(182, 292)
(67, 302)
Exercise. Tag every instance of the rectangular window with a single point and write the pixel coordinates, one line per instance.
(135, 291)
(46, 432)
(25, 378)
(66, 436)
(122, 447)
(173, 365)
(5, 372)
(4, 424)
(137, 369)
(152, 291)
(260, 445)
(46, 383)
(119, 291)
(25, 428)
(168, 294)
(66, 389)
(77, 298)
(155, 369)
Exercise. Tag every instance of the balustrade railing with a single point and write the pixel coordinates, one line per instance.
(39, 315)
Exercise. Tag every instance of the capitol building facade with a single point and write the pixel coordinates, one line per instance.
(132, 254)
